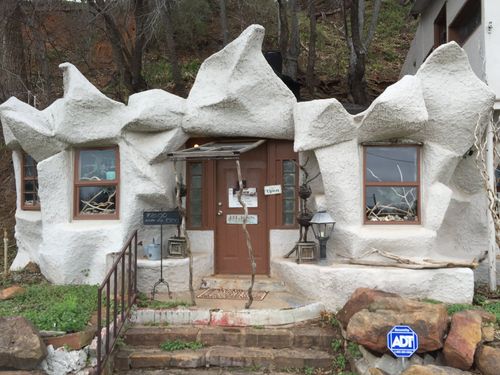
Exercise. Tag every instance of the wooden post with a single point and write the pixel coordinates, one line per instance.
(247, 236)
(184, 233)
(5, 253)
(492, 248)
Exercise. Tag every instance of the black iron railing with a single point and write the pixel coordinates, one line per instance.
(116, 296)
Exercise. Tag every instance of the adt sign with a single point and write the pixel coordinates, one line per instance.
(402, 341)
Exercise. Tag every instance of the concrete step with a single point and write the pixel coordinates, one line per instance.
(262, 283)
(223, 357)
(298, 337)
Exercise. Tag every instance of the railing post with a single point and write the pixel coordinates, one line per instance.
(99, 329)
(135, 266)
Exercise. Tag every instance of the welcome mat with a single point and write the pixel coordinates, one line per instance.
(239, 294)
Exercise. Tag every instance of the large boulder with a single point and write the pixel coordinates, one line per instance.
(360, 299)
(369, 327)
(433, 370)
(20, 346)
(462, 340)
(488, 360)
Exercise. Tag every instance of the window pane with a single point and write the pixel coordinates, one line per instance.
(289, 166)
(391, 164)
(97, 165)
(97, 200)
(30, 186)
(195, 203)
(31, 200)
(29, 171)
(289, 192)
(391, 203)
(195, 169)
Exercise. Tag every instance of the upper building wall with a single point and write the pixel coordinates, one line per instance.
(481, 46)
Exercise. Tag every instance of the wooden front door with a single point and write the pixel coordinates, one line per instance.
(230, 244)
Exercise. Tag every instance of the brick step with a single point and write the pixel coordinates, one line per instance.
(301, 337)
(223, 357)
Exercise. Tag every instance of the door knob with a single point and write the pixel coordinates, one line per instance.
(219, 213)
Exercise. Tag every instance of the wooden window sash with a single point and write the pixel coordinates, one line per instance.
(24, 178)
(98, 183)
(410, 184)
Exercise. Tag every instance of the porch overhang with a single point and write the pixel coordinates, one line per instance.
(216, 150)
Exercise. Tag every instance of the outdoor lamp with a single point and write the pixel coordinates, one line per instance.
(322, 225)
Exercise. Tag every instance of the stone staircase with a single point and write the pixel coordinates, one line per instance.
(296, 347)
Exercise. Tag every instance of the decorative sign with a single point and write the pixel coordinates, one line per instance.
(249, 196)
(402, 341)
(272, 189)
(238, 219)
(161, 218)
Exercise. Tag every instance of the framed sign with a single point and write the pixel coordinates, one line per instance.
(161, 218)
(249, 196)
(238, 219)
(272, 189)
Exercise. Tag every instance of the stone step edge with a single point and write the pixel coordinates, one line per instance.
(239, 318)
(264, 284)
(276, 338)
(222, 356)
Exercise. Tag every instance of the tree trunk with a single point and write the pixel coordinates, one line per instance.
(138, 82)
(283, 30)
(223, 22)
(179, 87)
(291, 59)
(311, 57)
(13, 72)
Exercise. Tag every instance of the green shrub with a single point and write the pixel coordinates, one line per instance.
(170, 346)
(54, 307)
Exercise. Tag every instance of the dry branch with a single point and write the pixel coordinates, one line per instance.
(247, 235)
(403, 262)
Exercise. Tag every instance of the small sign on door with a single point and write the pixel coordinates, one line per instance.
(272, 189)
(238, 219)
(249, 196)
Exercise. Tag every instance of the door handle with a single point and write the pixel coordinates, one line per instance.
(219, 213)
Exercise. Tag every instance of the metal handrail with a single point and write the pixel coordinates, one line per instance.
(121, 304)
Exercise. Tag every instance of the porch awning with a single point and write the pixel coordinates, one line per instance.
(216, 150)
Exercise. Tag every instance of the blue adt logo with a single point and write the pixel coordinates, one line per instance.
(402, 341)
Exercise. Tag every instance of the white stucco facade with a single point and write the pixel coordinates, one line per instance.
(237, 94)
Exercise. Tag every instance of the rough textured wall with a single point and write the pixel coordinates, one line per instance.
(439, 108)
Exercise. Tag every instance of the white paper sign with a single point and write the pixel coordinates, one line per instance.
(238, 219)
(272, 189)
(249, 196)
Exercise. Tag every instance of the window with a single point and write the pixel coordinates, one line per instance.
(289, 192)
(466, 22)
(195, 195)
(97, 176)
(392, 184)
(29, 184)
(440, 36)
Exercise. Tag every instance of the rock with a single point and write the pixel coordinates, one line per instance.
(463, 337)
(360, 299)
(488, 360)
(488, 333)
(20, 346)
(429, 359)
(486, 317)
(433, 370)
(61, 362)
(389, 364)
(11, 292)
(369, 327)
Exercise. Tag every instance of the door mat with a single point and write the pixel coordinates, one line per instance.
(238, 294)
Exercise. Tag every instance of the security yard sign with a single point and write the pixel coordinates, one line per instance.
(402, 341)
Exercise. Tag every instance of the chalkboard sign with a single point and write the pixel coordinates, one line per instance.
(161, 218)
